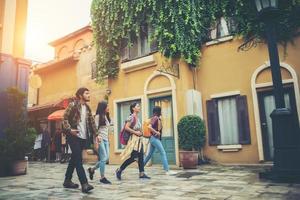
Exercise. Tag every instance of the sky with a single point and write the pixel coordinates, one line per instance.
(49, 20)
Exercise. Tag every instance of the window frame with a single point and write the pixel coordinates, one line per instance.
(214, 135)
(149, 49)
(226, 24)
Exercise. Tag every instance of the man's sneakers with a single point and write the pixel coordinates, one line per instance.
(104, 181)
(118, 174)
(170, 172)
(85, 188)
(70, 184)
(91, 173)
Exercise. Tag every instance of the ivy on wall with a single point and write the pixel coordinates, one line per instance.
(180, 27)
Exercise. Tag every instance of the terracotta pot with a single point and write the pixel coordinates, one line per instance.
(13, 168)
(19, 167)
(188, 159)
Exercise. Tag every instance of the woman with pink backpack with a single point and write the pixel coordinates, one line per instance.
(134, 150)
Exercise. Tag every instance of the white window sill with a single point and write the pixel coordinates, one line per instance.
(225, 94)
(219, 40)
(137, 64)
(230, 148)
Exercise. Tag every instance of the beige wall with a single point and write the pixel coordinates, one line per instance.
(57, 83)
(84, 70)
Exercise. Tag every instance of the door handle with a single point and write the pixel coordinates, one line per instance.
(264, 124)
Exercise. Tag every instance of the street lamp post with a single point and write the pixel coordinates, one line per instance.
(286, 134)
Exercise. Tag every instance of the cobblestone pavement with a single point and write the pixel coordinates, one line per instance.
(44, 181)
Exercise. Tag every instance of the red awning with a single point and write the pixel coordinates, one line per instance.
(56, 115)
(60, 104)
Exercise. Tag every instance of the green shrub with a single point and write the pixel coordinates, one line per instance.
(191, 133)
(18, 138)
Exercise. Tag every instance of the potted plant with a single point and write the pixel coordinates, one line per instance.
(191, 137)
(18, 138)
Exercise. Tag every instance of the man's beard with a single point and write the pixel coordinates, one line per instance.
(86, 100)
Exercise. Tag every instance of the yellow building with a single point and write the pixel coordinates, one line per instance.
(57, 80)
(13, 18)
(231, 91)
(14, 69)
(226, 74)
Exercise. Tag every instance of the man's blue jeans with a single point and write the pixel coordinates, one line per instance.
(77, 145)
(155, 143)
(103, 152)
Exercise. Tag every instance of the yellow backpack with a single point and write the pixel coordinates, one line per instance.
(146, 129)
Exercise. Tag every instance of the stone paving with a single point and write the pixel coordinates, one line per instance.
(44, 181)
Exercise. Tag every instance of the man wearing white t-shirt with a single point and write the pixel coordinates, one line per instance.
(80, 128)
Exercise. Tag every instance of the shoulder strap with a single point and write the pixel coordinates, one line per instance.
(133, 121)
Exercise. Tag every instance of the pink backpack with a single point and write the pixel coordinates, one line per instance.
(125, 135)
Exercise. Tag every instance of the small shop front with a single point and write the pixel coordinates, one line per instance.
(49, 117)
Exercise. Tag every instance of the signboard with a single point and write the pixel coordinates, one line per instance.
(171, 69)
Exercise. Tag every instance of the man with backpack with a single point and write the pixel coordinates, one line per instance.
(80, 128)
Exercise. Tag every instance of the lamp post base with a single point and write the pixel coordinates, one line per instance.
(286, 136)
(281, 176)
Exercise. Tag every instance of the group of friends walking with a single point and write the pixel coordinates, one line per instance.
(81, 128)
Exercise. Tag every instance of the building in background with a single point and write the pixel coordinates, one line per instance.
(53, 84)
(14, 69)
(231, 90)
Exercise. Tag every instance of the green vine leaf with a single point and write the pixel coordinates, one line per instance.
(180, 27)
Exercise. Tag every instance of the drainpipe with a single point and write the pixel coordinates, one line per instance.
(194, 75)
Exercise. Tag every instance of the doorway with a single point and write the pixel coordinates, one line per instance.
(167, 138)
(266, 103)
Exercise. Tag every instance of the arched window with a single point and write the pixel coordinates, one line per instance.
(62, 52)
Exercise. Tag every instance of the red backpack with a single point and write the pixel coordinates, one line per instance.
(125, 135)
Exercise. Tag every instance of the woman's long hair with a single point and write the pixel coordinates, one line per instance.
(101, 111)
(157, 111)
(132, 106)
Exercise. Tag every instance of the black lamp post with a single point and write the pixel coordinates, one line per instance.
(286, 134)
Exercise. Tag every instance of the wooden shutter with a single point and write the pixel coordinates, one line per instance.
(153, 46)
(213, 122)
(125, 53)
(243, 120)
(124, 50)
(153, 43)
